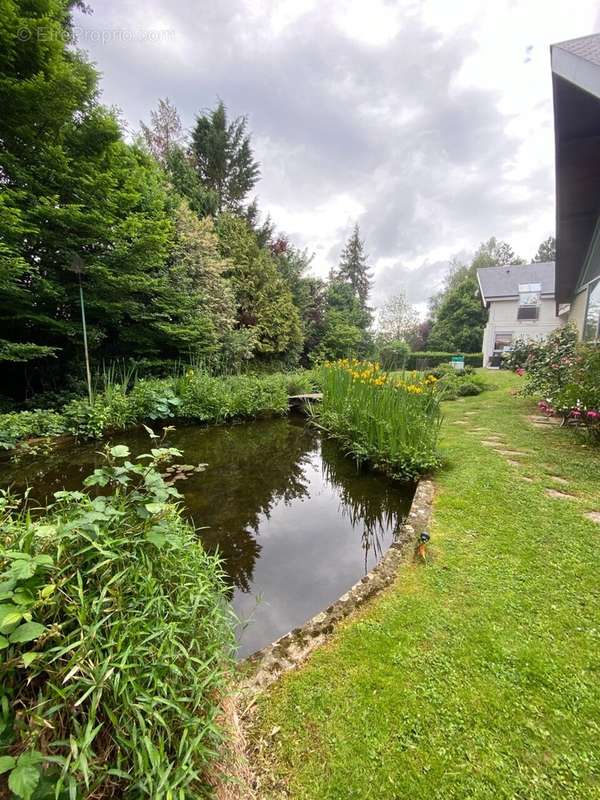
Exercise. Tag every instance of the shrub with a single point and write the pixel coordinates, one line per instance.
(468, 389)
(425, 360)
(207, 399)
(393, 424)
(19, 425)
(116, 640)
(196, 395)
(549, 363)
(394, 355)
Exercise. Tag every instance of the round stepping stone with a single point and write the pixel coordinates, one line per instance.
(513, 463)
(558, 479)
(511, 452)
(594, 516)
(526, 478)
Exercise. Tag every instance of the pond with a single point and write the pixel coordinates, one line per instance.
(294, 520)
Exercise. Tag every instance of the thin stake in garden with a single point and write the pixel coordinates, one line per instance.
(77, 267)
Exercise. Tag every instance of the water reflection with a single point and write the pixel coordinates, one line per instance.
(294, 520)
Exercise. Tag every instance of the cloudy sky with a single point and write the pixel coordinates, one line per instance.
(428, 122)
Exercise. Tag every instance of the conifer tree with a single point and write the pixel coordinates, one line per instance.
(354, 269)
(223, 157)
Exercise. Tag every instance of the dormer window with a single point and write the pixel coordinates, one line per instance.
(530, 295)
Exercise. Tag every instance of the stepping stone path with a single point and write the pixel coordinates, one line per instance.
(541, 421)
(594, 516)
(510, 452)
(559, 495)
(558, 479)
(526, 478)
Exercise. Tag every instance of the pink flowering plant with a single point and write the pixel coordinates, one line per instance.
(579, 399)
(565, 375)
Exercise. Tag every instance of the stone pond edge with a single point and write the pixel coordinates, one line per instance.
(266, 666)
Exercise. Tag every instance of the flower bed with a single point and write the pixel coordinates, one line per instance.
(565, 374)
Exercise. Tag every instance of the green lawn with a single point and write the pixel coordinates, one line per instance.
(477, 675)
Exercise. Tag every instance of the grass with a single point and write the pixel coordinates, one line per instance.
(476, 675)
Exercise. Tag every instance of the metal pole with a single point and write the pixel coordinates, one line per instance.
(85, 343)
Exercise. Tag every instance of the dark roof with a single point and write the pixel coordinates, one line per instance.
(586, 47)
(576, 88)
(499, 282)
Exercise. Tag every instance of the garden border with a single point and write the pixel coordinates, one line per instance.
(292, 649)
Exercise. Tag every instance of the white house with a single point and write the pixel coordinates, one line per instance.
(521, 304)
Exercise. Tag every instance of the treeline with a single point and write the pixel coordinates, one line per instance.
(159, 237)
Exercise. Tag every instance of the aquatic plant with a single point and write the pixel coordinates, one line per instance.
(391, 422)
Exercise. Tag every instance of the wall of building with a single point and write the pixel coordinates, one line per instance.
(577, 311)
(503, 319)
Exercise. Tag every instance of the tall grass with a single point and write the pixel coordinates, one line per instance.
(391, 423)
(116, 642)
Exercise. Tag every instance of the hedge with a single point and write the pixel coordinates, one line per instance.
(421, 360)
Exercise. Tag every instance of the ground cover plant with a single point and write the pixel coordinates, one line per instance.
(388, 421)
(116, 641)
(475, 674)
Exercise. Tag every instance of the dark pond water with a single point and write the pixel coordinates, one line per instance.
(293, 519)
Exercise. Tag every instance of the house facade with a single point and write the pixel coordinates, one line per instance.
(576, 91)
(521, 305)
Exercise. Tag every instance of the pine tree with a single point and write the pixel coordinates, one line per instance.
(164, 132)
(354, 269)
(223, 157)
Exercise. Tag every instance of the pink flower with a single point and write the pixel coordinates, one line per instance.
(575, 413)
(520, 371)
(593, 415)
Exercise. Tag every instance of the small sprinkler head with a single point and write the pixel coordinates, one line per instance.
(424, 537)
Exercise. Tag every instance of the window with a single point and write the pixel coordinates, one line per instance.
(591, 331)
(529, 300)
(502, 342)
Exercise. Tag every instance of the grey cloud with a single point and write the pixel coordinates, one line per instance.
(384, 124)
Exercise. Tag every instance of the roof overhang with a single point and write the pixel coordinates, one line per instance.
(578, 71)
(576, 91)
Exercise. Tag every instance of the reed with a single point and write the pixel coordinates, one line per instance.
(391, 422)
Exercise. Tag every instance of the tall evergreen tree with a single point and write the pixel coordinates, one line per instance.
(264, 301)
(184, 179)
(197, 274)
(223, 157)
(72, 190)
(353, 267)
